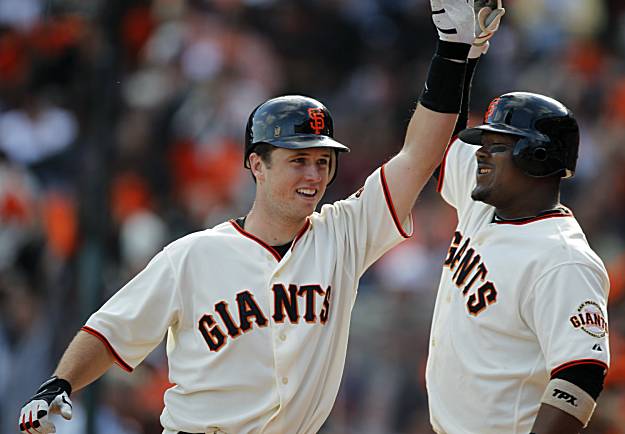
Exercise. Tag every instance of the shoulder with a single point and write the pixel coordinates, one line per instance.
(567, 245)
(373, 187)
(201, 239)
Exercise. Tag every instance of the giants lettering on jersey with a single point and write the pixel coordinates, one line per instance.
(285, 307)
(470, 271)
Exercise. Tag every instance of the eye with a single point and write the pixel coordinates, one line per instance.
(323, 162)
(299, 160)
(498, 147)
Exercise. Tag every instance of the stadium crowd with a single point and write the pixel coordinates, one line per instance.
(121, 129)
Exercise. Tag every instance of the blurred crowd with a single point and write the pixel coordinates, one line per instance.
(121, 129)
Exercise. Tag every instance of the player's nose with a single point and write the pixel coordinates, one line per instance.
(482, 152)
(314, 173)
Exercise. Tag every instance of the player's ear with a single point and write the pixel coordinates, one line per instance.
(257, 166)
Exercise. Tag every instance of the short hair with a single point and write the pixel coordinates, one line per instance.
(263, 150)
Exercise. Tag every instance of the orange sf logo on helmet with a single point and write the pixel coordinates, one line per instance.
(317, 120)
(491, 109)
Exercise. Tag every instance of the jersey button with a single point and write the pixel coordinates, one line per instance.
(285, 380)
(282, 337)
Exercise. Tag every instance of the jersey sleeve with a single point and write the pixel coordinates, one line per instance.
(567, 310)
(135, 319)
(366, 224)
(456, 178)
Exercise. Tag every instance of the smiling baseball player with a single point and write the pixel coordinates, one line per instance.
(519, 338)
(256, 310)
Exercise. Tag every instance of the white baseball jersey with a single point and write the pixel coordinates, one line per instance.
(256, 343)
(518, 302)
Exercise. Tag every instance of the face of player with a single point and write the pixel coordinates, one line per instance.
(500, 182)
(295, 181)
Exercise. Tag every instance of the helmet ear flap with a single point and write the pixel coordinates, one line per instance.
(540, 154)
(532, 156)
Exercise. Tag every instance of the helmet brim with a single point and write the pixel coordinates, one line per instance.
(474, 135)
(305, 141)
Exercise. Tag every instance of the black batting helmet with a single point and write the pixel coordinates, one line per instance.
(548, 132)
(292, 122)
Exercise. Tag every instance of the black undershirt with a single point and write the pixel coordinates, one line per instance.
(282, 249)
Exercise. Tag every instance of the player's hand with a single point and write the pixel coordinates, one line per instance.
(487, 20)
(454, 20)
(51, 398)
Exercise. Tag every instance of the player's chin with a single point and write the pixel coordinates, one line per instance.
(480, 194)
(309, 207)
(298, 207)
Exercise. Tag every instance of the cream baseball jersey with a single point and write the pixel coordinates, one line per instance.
(256, 342)
(518, 301)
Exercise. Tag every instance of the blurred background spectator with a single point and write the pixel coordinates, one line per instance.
(121, 127)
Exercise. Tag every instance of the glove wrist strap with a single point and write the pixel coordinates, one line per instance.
(55, 381)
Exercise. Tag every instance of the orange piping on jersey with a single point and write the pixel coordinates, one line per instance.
(441, 172)
(557, 369)
(301, 233)
(258, 240)
(519, 222)
(391, 207)
(125, 366)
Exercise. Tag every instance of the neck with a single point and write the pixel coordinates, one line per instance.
(524, 209)
(273, 230)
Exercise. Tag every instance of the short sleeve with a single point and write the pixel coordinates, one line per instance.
(135, 319)
(366, 224)
(567, 310)
(456, 178)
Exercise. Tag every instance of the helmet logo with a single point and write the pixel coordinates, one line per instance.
(277, 131)
(491, 109)
(317, 120)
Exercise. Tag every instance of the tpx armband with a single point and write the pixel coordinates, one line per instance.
(569, 398)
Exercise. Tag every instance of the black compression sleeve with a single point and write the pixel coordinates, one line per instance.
(588, 377)
(463, 116)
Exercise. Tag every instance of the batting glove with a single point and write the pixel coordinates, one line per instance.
(51, 398)
(454, 20)
(487, 20)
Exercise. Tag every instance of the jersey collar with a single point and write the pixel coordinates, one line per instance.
(266, 246)
(561, 211)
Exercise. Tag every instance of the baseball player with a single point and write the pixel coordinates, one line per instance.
(519, 339)
(256, 310)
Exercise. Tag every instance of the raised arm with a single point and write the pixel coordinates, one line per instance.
(436, 116)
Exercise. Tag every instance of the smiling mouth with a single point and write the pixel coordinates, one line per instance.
(484, 170)
(308, 193)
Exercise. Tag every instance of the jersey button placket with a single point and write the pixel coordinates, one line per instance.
(279, 335)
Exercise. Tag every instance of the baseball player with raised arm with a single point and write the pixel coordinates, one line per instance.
(519, 339)
(256, 310)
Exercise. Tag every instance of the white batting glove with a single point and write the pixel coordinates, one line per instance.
(487, 20)
(51, 398)
(454, 20)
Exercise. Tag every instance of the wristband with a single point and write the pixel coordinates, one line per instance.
(569, 398)
(453, 50)
(443, 87)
